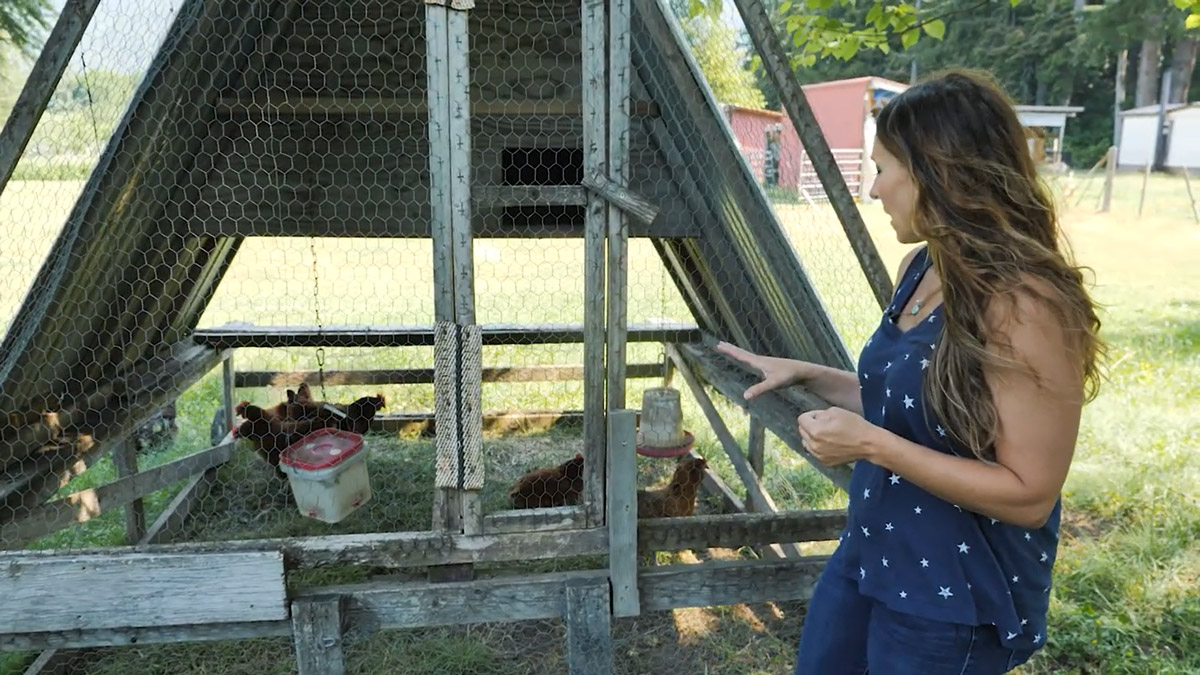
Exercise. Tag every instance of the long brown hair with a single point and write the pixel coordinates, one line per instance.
(990, 224)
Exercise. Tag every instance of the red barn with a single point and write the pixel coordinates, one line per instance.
(843, 109)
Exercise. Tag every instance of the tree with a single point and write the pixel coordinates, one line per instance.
(21, 22)
(813, 27)
(721, 53)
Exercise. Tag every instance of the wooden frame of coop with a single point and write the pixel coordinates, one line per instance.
(244, 592)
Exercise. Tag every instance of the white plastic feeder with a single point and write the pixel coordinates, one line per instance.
(327, 471)
(661, 432)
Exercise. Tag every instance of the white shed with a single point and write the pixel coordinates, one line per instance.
(1183, 141)
(1138, 129)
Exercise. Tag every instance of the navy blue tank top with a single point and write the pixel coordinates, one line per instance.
(918, 553)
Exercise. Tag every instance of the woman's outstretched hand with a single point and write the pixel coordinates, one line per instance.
(776, 372)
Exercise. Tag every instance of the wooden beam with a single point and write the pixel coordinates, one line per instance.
(392, 605)
(317, 635)
(397, 219)
(125, 459)
(615, 181)
(622, 516)
(738, 529)
(494, 423)
(79, 592)
(283, 104)
(589, 627)
(756, 443)
(128, 637)
(498, 374)
(791, 94)
(625, 199)
(247, 336)
(499, 196)
(388, 549)
(711, 584)
(43, 78)
(87, 504)
(594, 97)
(545, 519)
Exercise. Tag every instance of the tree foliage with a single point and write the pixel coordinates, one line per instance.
(721, 52)
(22, 21)
(817, 29)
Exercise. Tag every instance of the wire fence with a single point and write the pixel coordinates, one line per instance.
(259, 167)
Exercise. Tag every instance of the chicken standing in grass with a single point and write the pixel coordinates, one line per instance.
(678, 497)
(560, 485)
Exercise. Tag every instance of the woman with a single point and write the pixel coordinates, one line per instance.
(963, 415)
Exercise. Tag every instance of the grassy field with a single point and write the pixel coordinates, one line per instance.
(1125, 599)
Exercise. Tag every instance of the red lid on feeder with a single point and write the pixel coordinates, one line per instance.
(321, 449)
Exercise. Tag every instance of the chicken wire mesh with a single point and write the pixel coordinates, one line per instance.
(273, 173)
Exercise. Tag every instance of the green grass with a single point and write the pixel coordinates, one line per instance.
(1125, 599)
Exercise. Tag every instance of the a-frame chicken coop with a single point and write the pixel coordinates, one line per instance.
(443, 122)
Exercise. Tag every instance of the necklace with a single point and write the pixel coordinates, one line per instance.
(916, 308)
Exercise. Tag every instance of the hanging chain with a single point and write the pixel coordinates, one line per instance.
(662, 313)
(87, 87)
(312, 247)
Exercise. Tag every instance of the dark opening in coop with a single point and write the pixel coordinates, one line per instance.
(543, 166)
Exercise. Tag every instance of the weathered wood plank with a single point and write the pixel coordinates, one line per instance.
(616, 114)
(388, 549)
(594, 97)
(125, 637)
(317, 635)
(736, 530)
(625, 199)
(509, 422)
(257, 105)
(622, 520)
(87, 504)
(43, 78)
(528, 195)
(228, 384)
(244, 335)
(390, 605)
(710, 584)
(589, 629)
(401, 220)
(125, 458)
(535, 520)
(496, 374)
(756, 442)
(79, 592)
(778, 410)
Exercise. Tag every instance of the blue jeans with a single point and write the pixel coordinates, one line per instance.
(846, 633)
